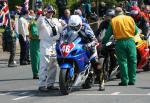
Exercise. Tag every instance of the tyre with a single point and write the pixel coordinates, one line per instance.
(118, 76)
(147, 67)
(106, 67)
(89, 82)
(65, 83)
(111, 67)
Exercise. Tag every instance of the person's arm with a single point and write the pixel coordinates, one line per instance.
(101, 28)
(41, 23)
(136, 29)
(108, 34)
(89, 32)
(22, 26)
(145, 27)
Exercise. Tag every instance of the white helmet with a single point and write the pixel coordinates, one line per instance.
(75, 22)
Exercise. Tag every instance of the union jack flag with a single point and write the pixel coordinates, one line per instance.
(4, 14)
(26, 4)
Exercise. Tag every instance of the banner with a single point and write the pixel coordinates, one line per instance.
(4, 14)
(26, 4)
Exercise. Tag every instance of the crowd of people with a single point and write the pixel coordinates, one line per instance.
(38, 32)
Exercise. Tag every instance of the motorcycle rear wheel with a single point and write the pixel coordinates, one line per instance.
(65, 82)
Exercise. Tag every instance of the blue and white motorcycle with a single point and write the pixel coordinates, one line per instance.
(74, 62)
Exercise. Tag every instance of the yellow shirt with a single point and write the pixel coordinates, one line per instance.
(123, 27)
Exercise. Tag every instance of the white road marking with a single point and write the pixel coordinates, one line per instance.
(5, 93)
(12, 93)
(148, 94)
(20, 97)
(110, 94)
(115, 93)
(23, 93)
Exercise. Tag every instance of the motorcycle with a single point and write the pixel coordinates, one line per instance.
(111, 67)
(74, 62)
(143, 52)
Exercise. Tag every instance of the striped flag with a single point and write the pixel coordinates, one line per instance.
(26, 4)
(4, 14)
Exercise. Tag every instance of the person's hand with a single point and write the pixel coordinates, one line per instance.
(62, 22)
(99, 45)
(86, 46)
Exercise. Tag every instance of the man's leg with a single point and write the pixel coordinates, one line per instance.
(97, 64)
(122, 60)
(35, 57)
(11, 62)
(27, 55)
(43, 74)
(51, 76)
(132, 62)
(22, 50)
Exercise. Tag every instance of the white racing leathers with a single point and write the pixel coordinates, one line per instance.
(47, 72)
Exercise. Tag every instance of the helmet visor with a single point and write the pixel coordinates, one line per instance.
(134, 13)
(75, 28)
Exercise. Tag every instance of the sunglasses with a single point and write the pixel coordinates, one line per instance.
(50, 12)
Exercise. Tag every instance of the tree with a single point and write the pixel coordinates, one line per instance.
(12, 3)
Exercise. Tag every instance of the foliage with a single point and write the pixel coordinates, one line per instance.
(71, 3)
(13, 3)
(110, 2)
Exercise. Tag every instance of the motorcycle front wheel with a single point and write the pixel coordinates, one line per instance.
(65, 82)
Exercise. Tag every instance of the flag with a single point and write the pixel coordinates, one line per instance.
(4, 14)
(26, 4)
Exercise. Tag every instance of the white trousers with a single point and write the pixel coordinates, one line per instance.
(47, 72)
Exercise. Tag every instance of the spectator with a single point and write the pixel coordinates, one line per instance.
(23, 39)
(66, 16)
(32, 14)
(102, 9)
(61, 4)
(79, 12)
(12, 62)
(34, 47)
(9, 42)
(86, 8)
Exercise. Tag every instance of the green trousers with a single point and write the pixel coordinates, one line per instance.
(126, 55)
(35, 56)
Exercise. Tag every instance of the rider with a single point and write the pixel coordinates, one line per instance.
(100, 33)
(110, 13)
(140, 20)
(86, 33)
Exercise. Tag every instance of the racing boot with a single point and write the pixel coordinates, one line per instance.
(102, 86)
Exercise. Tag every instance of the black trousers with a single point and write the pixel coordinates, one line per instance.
(12, 51)
(24, 49)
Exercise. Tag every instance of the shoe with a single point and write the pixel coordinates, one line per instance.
(131, 83)
(36, 77)
(24, 63)
(122, 84)
(52, 88)
(12, 64)
(29, 62)
(101, 87)
(43, 89)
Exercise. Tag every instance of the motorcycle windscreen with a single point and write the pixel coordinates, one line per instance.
(69, 37)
